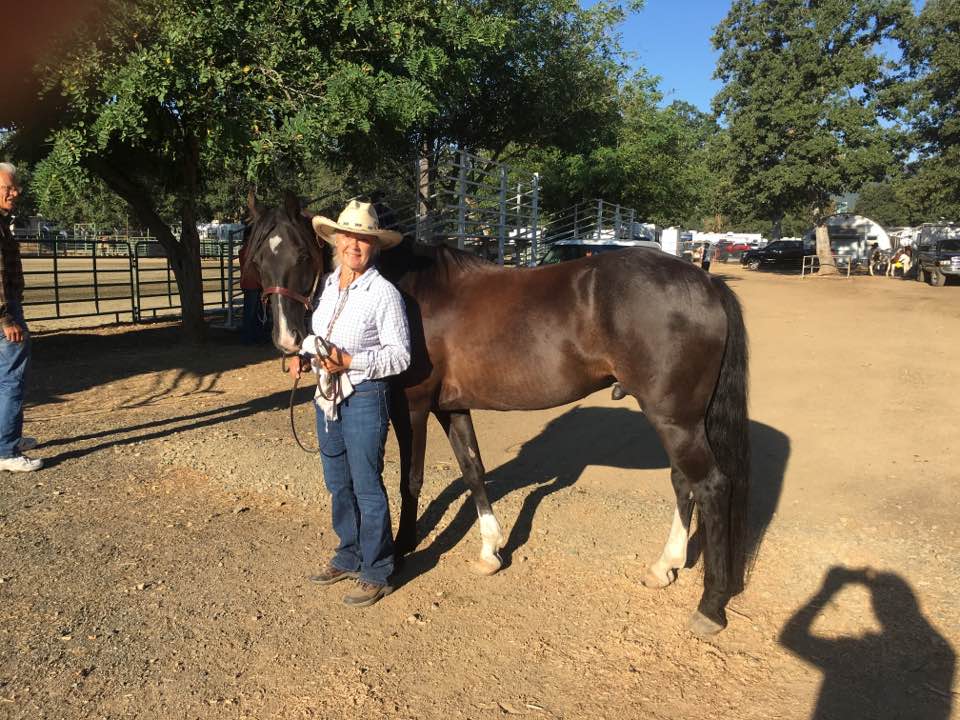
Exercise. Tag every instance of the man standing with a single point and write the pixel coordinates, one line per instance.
(706, 257)
(15, 340)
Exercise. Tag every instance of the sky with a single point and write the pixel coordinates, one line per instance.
(671, 39)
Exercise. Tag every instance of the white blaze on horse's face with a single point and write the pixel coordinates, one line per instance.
(285, 339)
(274, 243)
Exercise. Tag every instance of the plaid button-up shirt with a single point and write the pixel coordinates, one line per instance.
(11, 273)
(372, 325)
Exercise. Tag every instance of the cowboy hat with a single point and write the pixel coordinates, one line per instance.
(357, 217)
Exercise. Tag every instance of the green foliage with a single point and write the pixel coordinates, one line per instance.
(655, 162)
(800, 100)
(930, 103)
(551, 82)
(184, 102)
(885, 203)
(69, 195)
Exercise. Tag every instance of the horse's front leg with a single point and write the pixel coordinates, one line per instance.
(410, 424)
(459, 428)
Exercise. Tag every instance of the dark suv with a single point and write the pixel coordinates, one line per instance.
(937, 253)
(783, 254)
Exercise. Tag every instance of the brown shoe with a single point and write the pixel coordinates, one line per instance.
(330, 575)
(366, 594)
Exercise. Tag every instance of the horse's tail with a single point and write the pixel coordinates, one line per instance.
(728, 432)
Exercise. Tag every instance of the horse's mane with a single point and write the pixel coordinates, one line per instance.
(431, 265)
(463, 260)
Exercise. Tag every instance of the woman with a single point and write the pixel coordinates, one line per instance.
(363, 318)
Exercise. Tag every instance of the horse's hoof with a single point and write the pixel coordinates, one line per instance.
(617, 392)
(702, 626)
(654, 581)
(486, 566)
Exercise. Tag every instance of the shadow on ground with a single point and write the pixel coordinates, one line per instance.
(904, 671)
(68, 362)
(556, 458)
(164, 427)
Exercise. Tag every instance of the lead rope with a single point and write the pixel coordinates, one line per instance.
(293, 425)
(335, 379)
(335, 386)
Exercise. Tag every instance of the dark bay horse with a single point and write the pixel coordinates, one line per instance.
(488, 337)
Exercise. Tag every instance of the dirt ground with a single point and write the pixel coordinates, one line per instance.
(156, 568)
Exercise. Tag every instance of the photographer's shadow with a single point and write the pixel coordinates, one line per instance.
(557, 457)
(904, 671)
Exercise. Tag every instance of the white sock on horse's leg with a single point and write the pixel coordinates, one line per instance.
(673, 557)
(493, 540)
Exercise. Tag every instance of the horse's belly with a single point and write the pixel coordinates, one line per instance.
(506, 393)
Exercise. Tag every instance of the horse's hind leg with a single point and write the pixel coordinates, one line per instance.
(690, 454)
(674, 555)
(459, 428)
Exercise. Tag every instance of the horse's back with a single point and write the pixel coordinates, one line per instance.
(541, 337)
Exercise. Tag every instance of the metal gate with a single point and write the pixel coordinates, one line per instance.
(126, 280)
(472, 203)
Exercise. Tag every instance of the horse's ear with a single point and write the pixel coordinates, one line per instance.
(291, 204)
(253, 207)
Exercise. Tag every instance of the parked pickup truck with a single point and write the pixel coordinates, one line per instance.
(937, 253)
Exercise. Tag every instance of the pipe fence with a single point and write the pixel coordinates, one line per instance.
(127, 279)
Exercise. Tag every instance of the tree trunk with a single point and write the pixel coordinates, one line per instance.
(776, 232)
(188, 272)
(828, 265)
(183, 255)
(190, 279)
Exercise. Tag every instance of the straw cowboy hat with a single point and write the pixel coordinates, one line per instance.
(357, 217)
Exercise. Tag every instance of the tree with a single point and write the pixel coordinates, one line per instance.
(930, 104)
(69, 195)
(800, 100)
(150, 96)
(550, 81)
(653, 161)
(172, 103)
(884, 203)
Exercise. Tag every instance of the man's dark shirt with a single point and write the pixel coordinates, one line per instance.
(11, 272)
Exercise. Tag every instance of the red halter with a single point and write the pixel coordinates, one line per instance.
(286, 292)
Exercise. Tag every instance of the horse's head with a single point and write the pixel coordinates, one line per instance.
(286, 253)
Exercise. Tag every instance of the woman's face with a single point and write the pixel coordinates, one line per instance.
(356, 251)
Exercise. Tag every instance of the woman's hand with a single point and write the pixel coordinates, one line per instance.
(297, 366)
(338, 361)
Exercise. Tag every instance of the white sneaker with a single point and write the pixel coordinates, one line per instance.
(27, 443)
(21, 463)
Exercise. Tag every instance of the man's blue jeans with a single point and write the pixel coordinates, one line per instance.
(14, 359)
(351, 450)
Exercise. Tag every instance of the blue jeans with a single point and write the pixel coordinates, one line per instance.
(14, 359)
(351, 451)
